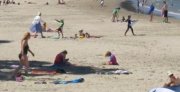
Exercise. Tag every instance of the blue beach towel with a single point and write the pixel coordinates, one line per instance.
(78, 80)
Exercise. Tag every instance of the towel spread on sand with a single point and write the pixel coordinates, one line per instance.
(78, 80)
(118, 72)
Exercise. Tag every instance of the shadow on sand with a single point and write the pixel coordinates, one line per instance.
(5, 41)
(6, 68)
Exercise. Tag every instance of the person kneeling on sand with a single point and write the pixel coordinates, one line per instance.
(112, 60)
(174, 81)
(61, 60)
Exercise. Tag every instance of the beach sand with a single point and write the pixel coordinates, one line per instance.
(149, 55)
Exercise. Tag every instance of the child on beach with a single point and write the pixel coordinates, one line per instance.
(151, 10)
(61, 60)
(174, 81)
(60, 29)
(129, 26)
(112, 60)
(115, 14)
(81, 34)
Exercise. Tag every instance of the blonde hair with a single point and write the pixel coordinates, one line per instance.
(26, 36)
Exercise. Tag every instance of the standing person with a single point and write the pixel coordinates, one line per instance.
(129, 26)
(61, 2)
(112, 60)
(115, 14)
(4, 2)
(165, 12)
(151, 10)
(174, 81)
(23, 54)
(60, 29)
(102, 3)
(36, 25)
(138, 8)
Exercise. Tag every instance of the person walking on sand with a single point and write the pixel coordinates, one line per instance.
(151, 10)
(23, 54)
(115, 14)
(165, 12)
(129, 26)
(60, 29)
(36, 25)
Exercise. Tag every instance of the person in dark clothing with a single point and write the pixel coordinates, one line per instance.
(129, 26)
(23, 54)
(60, 59)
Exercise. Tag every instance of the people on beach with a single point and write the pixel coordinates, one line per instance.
(86, 35)
(151, 10)
(112, 58)
(81, 34)
(138, 7)
(60, 29)
(23, 54)
(165, 12)
(36, 26)
(61, 2)
(129, 25)
(123, 19)
(174, 81)
(60, 59)
(102, 3)
(115, 14)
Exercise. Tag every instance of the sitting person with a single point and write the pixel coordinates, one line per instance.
(112, 60)
(81, 34)
(46, 29)
(87, 35)
(60, 59)
(174, 81)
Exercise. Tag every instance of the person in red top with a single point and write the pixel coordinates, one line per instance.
(112, 60)
(61, 59)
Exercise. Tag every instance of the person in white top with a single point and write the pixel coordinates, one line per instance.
(36, 25)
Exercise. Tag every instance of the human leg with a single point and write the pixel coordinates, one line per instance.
(126, 31)
(132, 30)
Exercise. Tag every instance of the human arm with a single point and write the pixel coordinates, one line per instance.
(31, 52)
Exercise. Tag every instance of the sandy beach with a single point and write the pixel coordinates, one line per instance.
(148, 55)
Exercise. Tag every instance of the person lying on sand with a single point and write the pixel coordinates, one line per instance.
(112, 58)
(86, 35)
(174, 81)
(61, 60)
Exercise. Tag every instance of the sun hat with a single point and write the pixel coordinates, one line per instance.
(169, 73)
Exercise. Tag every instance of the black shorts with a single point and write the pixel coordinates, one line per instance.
(165, 13)
(60, 29)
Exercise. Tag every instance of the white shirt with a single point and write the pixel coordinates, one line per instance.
(37, 19)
